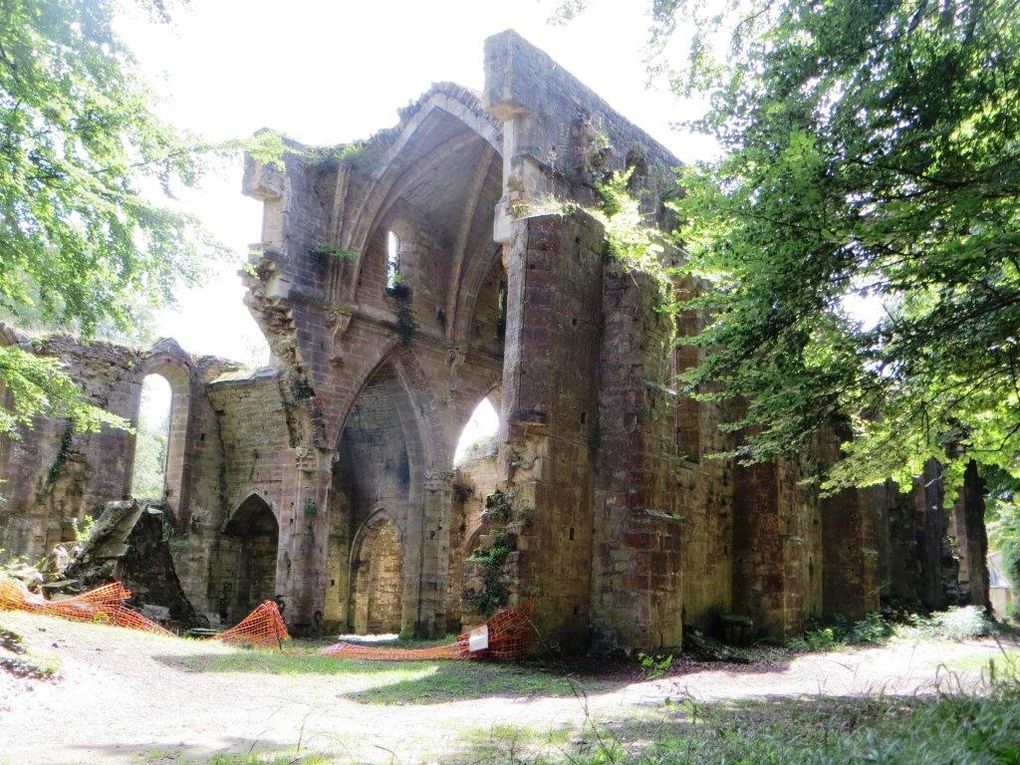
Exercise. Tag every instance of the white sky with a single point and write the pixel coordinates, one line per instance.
(330, 72)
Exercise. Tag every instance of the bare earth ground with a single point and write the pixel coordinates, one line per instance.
(128, 697)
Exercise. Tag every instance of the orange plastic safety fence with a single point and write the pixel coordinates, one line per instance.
(103, 604)
(263, 626)
(510, 634)
(507, 636)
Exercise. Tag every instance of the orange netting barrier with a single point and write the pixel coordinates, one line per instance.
(263, 626)
(507, 636)
(103, 604)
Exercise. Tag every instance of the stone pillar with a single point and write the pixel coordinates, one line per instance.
(304, 537)
(968, 526)
(850, 558)
(758, 549)
(637, 590)
(933, 554)
(554, 287)
(435, 552)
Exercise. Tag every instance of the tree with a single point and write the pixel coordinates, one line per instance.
(870, 149)
(79, 241)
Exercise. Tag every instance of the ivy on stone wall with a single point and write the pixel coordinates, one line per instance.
(504, 513)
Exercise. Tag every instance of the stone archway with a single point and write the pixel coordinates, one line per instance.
(377, 573)
(246, 565)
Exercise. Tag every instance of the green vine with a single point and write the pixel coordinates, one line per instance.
(629, 241)
(498, 506)
(493, 594)
(325, 250)
(60, 461)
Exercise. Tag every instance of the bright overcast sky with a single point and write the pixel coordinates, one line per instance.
(331, 72)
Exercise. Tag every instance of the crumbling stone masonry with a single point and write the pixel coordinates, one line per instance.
(400, 282)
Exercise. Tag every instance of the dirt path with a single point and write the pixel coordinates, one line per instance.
(125, 697)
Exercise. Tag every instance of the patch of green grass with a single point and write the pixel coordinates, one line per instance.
(1003, 663)
(261, 661)
(404, 682)
(468, 680)
(512, 744)
(275, 759)
(24, 662)
(917, 730)
(875, 629)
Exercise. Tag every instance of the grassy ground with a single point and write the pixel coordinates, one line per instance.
(127, 697)
(922, 730)
(413, 682)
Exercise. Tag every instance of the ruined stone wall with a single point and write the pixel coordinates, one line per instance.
(561, 137)
(53, 474)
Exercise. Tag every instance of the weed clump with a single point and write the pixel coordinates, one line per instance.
(956, 623)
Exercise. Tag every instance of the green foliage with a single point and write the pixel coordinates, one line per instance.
(82, 528)
(149, 472)
(654, 666)
(333, 251)
(929, 729)
(498, 506)
(311, 508)
(38, 386)
(493, 594)
(81, 247)
(954, 623)
(873, 629)
(79, 134)
(869, 152)
(495, 553)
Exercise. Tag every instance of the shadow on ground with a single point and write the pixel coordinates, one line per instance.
(922, 729)
(406, 682)
(235, 751)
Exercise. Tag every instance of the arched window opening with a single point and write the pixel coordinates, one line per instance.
(479, 439)
(393, 277)
(148, 479)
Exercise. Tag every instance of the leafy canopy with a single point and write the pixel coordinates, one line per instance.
(870, 150)
(80, 245)
(85, 244)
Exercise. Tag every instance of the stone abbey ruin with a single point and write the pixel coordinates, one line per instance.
(399, 285)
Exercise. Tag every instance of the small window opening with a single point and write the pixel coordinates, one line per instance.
(501, 321)
(479, 437)
(570, 533)
(392, 260)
